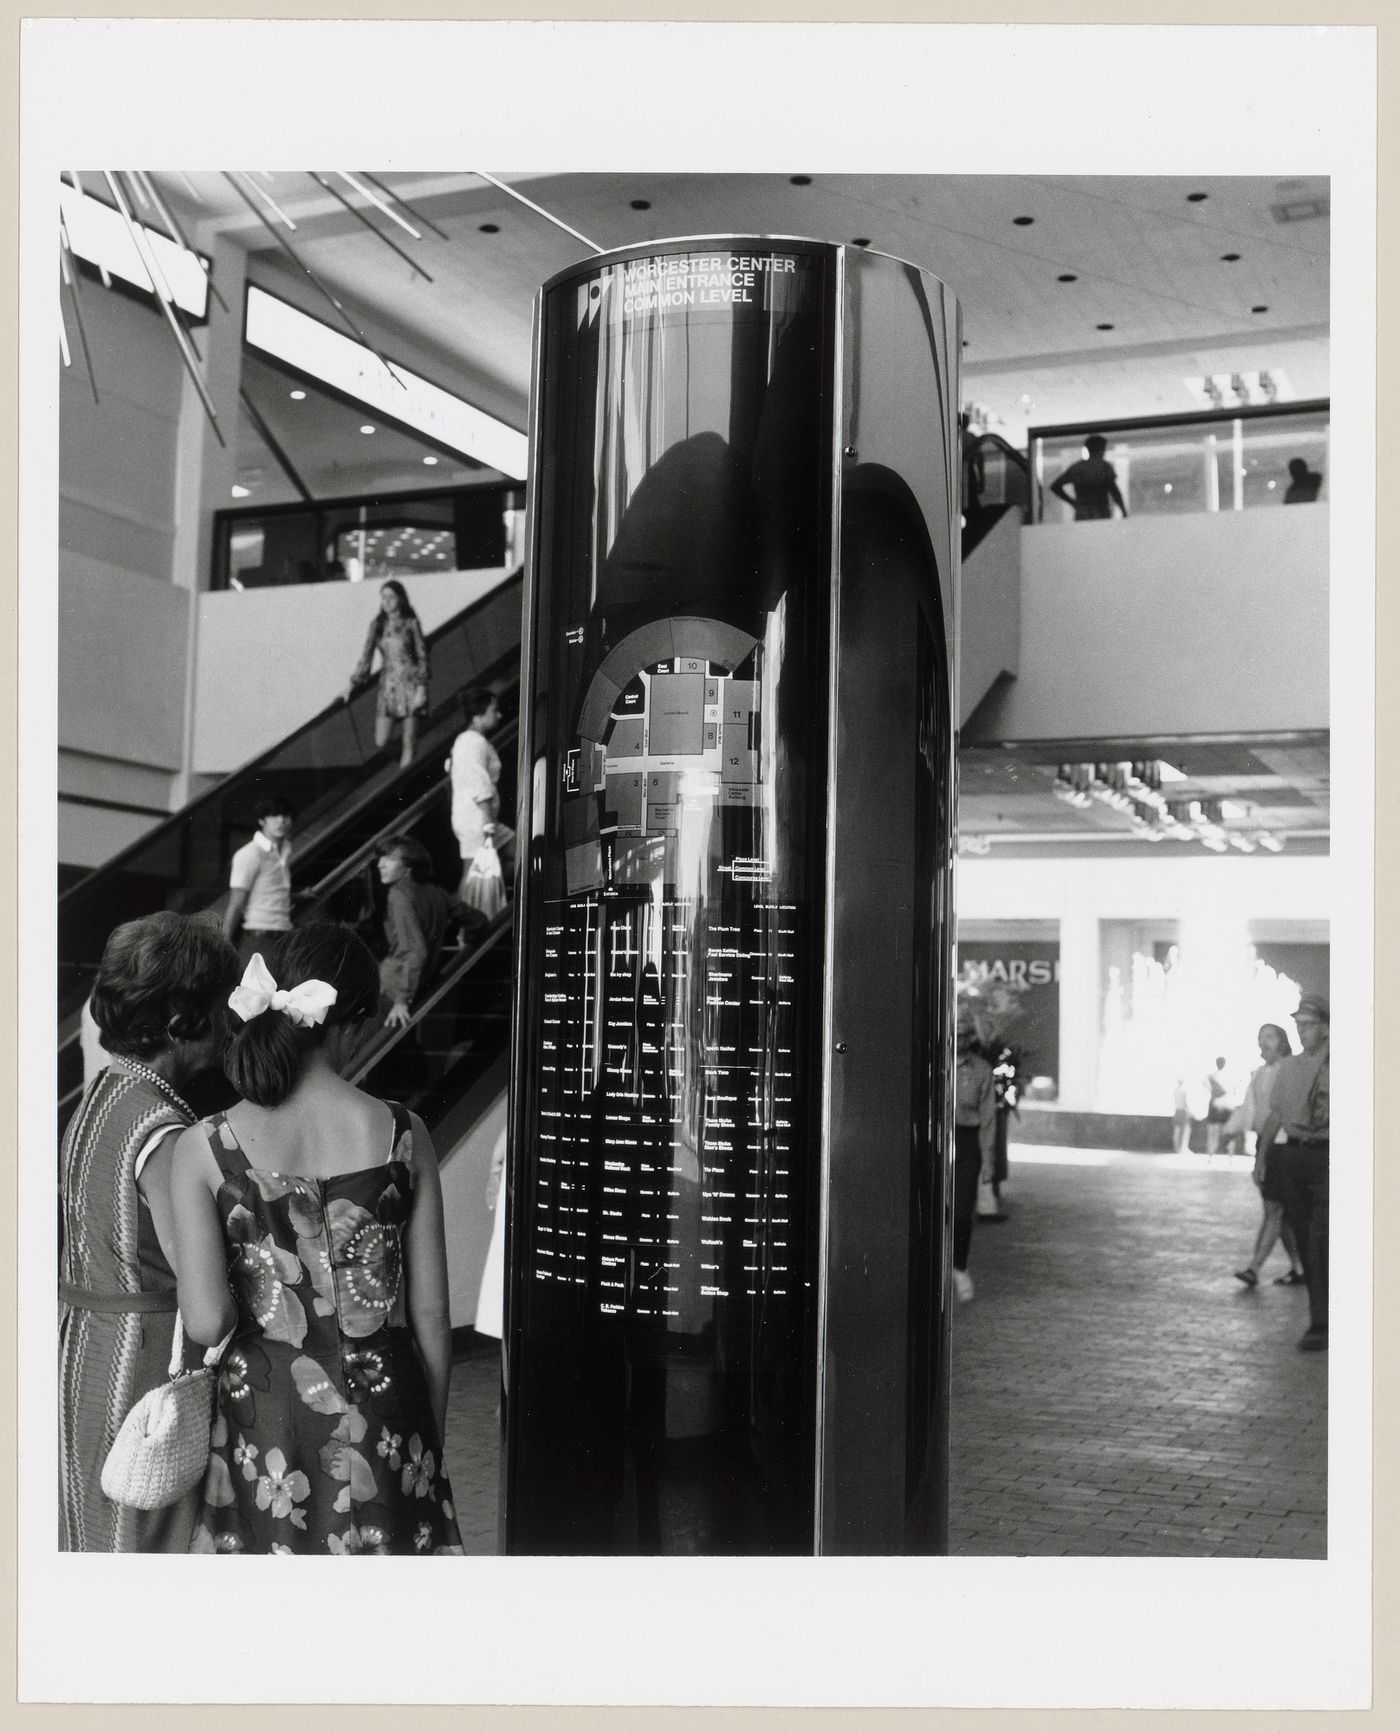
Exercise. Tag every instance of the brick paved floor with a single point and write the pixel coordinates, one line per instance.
(1115, 1391)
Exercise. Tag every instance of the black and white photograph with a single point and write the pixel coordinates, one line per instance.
(709, 803)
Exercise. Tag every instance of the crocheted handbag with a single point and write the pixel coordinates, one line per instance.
(162, 1447)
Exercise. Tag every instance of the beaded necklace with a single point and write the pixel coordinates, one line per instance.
(137, 1069)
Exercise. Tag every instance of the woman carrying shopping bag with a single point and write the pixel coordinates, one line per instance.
(475, 769)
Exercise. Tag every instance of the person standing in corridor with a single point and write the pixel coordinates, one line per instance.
(974, 1143)
(1298, 1128)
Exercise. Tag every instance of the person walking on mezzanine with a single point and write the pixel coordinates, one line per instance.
(1095, 483)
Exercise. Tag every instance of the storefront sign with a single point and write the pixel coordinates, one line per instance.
(1020, 982)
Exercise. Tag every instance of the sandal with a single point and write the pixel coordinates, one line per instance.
(1292, 1280)
(1248, 1277)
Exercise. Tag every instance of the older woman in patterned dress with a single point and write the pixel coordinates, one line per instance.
(158, 1004)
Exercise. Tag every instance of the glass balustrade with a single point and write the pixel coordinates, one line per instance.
(1227, 460)
(369, 540)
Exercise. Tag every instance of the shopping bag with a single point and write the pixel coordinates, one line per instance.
(483, 887)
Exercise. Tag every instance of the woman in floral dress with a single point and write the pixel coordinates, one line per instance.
(396, 633)
(319, 1207)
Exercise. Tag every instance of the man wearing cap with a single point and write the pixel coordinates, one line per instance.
(1299, 1119)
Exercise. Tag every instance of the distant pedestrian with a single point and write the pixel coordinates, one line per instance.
(975, 1139)
(1274, 1049)
(396, 633)
(1181, 1118)
(1298, 1123)
(1095, 483)
(1305, 486)
(1218, 1106)
(259, 903)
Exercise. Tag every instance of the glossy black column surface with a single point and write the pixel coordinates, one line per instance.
(666, 1146)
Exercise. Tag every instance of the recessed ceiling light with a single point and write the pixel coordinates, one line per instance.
(239, 492)
(296, 396)
(1261, 308)
(430, 460)
(799, 180)
(1229, 258)
(1067, 277)
(489, 228)
(861, 241)
(1196, 198)
(1023, 222)
(366, 427)
(1103, 327)
(641, 204)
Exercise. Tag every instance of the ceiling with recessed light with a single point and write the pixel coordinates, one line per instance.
(1085, 298)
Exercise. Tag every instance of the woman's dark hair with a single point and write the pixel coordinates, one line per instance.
(1285, 1045)
(162, 977)
(406, 610)
(266, 1054)
(476, 701)
(412, 853)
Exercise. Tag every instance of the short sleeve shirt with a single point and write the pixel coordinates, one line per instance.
(1302, 1096)
(260, 867)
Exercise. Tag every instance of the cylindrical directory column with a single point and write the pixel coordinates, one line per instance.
(681, 1296)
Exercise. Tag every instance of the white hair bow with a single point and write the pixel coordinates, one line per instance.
(258, 992)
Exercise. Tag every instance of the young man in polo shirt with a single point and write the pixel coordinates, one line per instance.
(260, 883)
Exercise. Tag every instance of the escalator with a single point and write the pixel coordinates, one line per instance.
(349, 796)
(995, 480)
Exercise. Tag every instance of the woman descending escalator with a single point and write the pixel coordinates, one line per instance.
(395, 632)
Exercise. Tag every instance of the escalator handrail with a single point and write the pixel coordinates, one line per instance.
(1017, 456)
(184, 813)
(382, 1047)
(70, 1028)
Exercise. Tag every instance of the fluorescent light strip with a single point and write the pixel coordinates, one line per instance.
(315, 349)
(97, 234)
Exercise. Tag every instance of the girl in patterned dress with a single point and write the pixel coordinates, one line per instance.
(396, 633)
(158, 1009)
(309, 1217)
